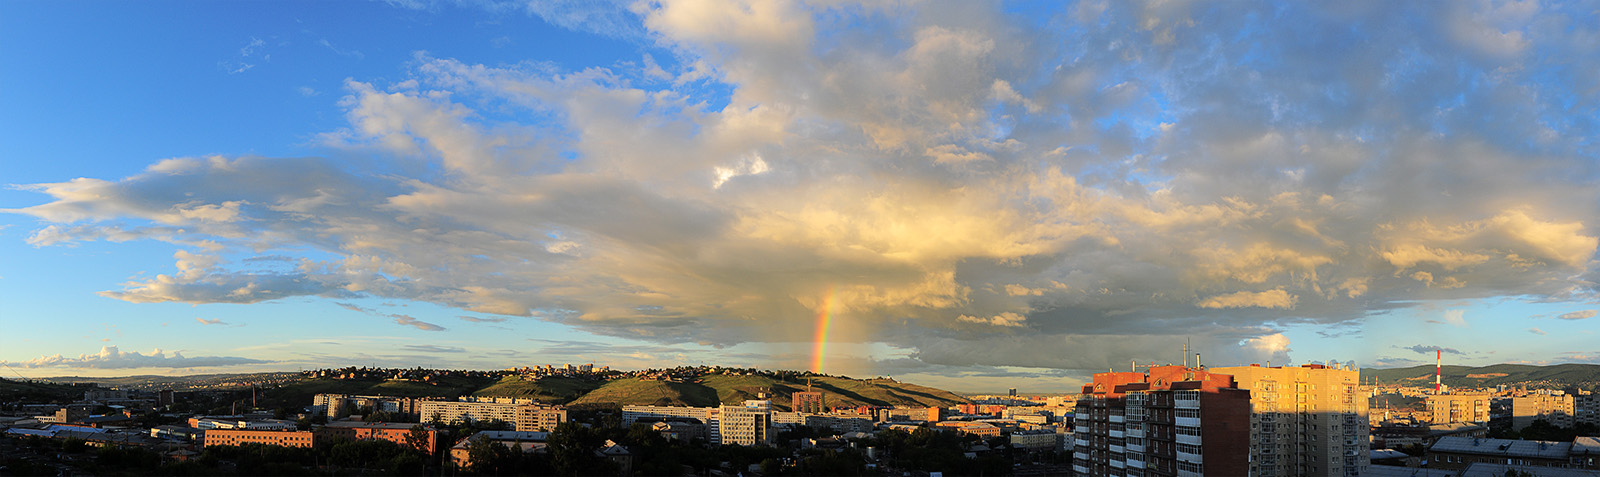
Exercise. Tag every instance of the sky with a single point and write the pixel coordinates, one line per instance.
(969, 195)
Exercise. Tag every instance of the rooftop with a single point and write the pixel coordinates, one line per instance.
(1503, 447)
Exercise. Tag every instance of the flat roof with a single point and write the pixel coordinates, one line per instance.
(1502, 447)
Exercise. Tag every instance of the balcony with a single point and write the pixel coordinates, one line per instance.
(1136, 464)
(1186, 403)
(1118, 418)
(1080, 455)
(1080, 442)
(1117, 433)
(1135, 432)
(1116, 449)
(1187, 421)
(1119, 464)
(1186, 439)
(1080, 469)
(1185, 456)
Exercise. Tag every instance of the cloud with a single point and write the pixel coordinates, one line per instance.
(1003, 319)
(1536, 331)
(1268, 299)
(1425, 349)
(415, 323)
(216, 321)
(433, 348)
(110, 357)
(479, 319)
(919, 171)
(1453, 318)
(1578, 315)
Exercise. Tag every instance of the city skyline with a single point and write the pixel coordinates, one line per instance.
(967, 195)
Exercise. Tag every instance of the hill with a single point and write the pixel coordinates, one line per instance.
(717, 389)
(706, 390)
(38, 391)
(551, 389)
(1555, 376)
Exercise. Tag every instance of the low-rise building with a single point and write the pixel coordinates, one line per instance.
(406, 434)
(1461, 452)
(527, 442)
(233, 437)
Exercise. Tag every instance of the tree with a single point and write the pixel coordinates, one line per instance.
(418, 439)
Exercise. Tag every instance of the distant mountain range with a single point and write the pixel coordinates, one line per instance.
(704, 391)
(1560, 375)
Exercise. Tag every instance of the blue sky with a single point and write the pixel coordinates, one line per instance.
(983, 196)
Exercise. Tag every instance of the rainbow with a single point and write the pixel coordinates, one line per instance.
(819, 349)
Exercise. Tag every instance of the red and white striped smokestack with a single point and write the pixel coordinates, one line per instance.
(1438, 369)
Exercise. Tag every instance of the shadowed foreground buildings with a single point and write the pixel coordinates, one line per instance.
(1251, 420)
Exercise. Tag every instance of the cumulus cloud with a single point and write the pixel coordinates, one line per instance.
(110, 357)
(1578, 315)
(937, 182)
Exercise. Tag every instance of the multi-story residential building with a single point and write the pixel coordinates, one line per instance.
(1586, 408)
(1306, 420)
(707, 417)
(1170, 421)
(525, 415)
(233, 437)
(1447, 408)
(1555, 407)
(748, 424)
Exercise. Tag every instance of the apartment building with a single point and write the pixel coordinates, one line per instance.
(809, 401)
(1309, 420)
(1169, 421)
(233, 437)
(1554, 406)
(524, 414)
(748, 424)
(1447, 408)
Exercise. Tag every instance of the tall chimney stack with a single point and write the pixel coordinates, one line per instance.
(1439, 370)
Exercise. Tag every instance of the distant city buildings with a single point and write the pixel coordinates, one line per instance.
(524, 415)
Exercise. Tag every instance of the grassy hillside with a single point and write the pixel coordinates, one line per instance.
(711, 389)
(553, 389)
(1583, 375)
(625, 391)
(35, 391)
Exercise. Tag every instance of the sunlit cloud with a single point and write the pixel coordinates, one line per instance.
(960, 183)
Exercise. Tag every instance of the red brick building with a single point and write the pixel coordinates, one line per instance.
(1170, 421)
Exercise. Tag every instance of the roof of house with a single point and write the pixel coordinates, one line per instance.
(1502, 447)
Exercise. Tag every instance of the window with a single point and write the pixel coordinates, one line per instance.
(1188, 448)
(1188, 431)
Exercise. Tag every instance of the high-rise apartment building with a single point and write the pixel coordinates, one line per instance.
(1447, 408)
(1170, 421)
(1553, 406)
(1309, 420)
(748, 424)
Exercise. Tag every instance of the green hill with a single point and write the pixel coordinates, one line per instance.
(625, 391)
(711, 389)
(1561, 375)
(37, 391)
(551, 389)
